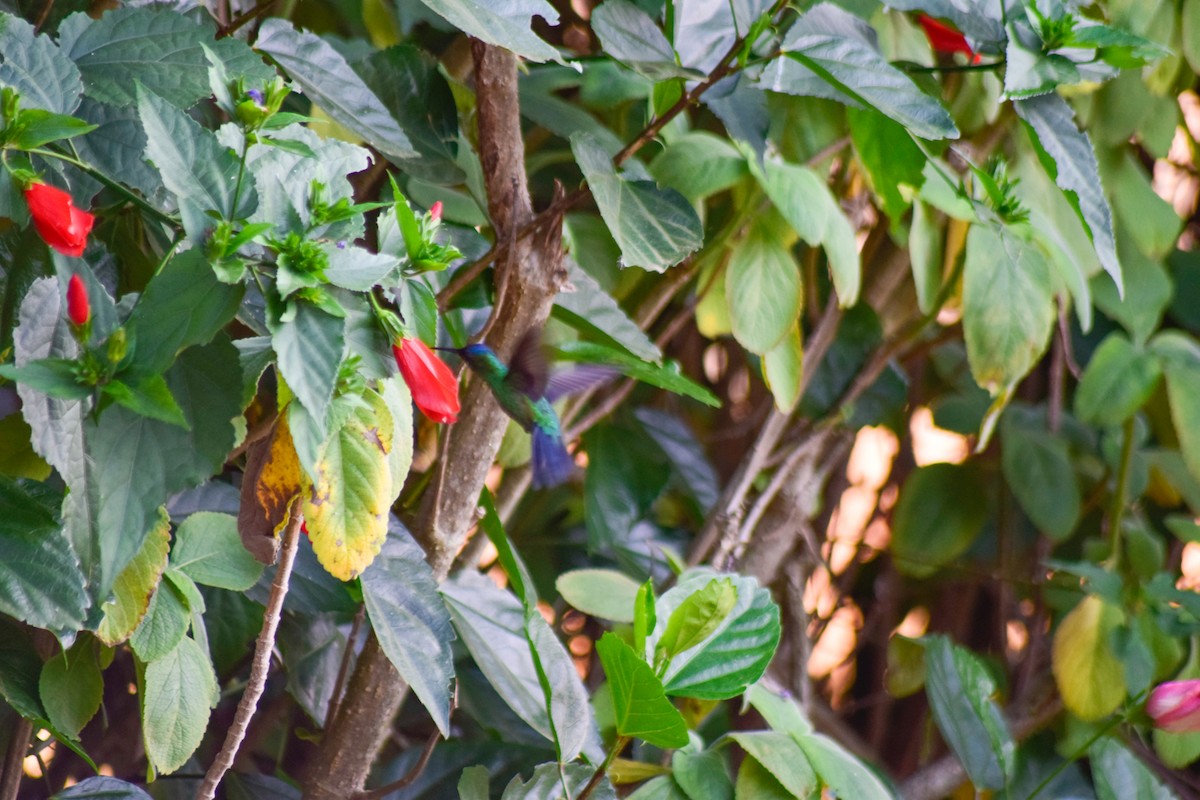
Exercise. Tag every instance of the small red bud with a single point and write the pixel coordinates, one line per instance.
(79, 310)
(435, 211)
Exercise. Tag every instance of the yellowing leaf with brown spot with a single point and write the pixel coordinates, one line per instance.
(273, 478)
(346, 508)
(135, 584)
(1089, 677)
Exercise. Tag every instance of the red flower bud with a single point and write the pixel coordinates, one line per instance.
(1174, 706)
(79, 310)
(435, 211)
(434, 387)
(60, 224)
(944, 39)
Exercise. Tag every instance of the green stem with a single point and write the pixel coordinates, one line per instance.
(237, 186)
(991, 65)
(1117, 511)
(91, 171)
(602, 770)
(1078, 754)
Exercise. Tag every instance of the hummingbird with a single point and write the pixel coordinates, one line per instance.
(525, 389)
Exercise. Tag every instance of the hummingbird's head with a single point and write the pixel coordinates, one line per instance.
(480, 358)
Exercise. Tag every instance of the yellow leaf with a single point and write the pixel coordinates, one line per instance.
(272, 480)
(1089, 677)
(135, 584)
(346, 508)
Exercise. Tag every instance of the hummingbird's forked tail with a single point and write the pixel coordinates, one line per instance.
(552, 464)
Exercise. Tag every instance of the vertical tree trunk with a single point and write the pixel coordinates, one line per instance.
(527, 277)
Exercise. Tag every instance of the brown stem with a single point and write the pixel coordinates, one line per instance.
(339, 684)
(409, 777)
(261, 664)
(12, 770)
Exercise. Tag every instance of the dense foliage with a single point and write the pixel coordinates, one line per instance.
(872, 331)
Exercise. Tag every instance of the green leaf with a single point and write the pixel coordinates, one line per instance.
(1119, 774)
(164, 625)
(644, 615)
(408, 82)
(548, 780)
(962, 697)
(763, 289)
(1119, 379)
(697, 164)
(1029, 71)
(71, 687)
(163, 51)
(642, 708)
(35, 127)
(473, 785)
(808, 205)
(687, 455)
(666, 376)
(603, 593)
(781, 756)
(1180, 356)
(623, 480)
(783, 370)
(735, 655)
(346, 503)
(394, 394)
(781, 713)
(148, 396)
(135, 464)
(846, 775)
(592, 311)
(655, 228)
(942, 508)
(504, 25)
(102, 788)
(310, 348)
(894, 164)
(412, 625)
(632, 37)
(1067, 154)
(118, 147)
(755, 780)
(184, 304)
(181, 688)
(352, 267)
(492, 625)
(1004, 339)
(209, 551)
(829, 53)
(1090, 678)
(57, 377)
(135, 586)
(1038, 468)
(697, 617)
(702, 776)
(195, 167)
(40, 581)
(35, 66)
(333, 85)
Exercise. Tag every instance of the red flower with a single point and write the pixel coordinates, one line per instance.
(435, 211)
(79, 310)
(944, 39)
(1175, 706)
(434, 387)
(63, 226)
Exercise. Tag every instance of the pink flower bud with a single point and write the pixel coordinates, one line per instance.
(435, 211)
(1175, 706)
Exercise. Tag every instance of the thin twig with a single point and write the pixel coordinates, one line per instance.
(409, 778)
(248, 16)
(261, 664)
(339, 684)
(14, 758)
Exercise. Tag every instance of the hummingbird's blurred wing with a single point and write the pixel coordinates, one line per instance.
(577, 379)
(527, 370)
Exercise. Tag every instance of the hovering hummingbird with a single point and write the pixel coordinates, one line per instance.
(525, 389)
